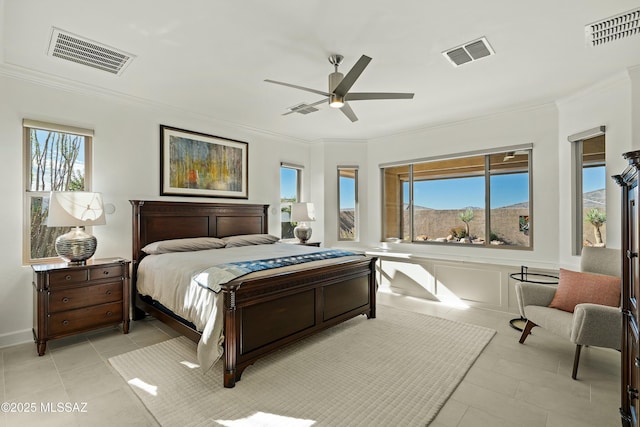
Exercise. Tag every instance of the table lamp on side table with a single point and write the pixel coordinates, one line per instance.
(302, 213)
(75, 209)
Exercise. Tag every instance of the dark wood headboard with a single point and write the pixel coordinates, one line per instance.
(162, 220)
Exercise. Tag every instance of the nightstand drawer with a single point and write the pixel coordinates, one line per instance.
(69, 299)
(68, 276)
(85, 318)
(105, 272)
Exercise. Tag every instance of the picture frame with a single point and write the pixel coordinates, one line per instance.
(200, 165)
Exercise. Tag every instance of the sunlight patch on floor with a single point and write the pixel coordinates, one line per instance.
(450, 299)
(151, 389)
(264, 419)
(189, 365)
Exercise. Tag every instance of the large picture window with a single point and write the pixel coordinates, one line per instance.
(480, 200)
(57, 158)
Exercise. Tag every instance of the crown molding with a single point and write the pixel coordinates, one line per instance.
(600, 86)
(59, 83)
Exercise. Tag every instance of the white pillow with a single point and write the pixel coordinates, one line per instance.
(249, 239)
(183, 245)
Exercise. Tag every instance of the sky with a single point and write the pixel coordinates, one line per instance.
(288, 183)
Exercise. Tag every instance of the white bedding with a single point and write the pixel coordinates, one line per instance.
(171, 279)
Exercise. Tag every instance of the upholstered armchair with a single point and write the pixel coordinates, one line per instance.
(589, 324)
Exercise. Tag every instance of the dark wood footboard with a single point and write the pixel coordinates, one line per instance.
(263, 315)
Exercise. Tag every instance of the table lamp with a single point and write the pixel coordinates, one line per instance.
(75, 209)
(302, 213)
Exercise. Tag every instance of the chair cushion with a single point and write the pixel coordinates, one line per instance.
(556, 321)
(577, 287)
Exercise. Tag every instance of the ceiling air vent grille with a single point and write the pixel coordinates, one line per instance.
(83, 51)
(617, 27)
(303, 109)
(469, 52)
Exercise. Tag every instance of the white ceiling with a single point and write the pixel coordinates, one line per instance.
(211, 56)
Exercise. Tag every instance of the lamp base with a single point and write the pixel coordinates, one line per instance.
(76, 246)
(302, 232)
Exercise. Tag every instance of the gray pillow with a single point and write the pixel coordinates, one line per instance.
(250, 239)
(183, 245)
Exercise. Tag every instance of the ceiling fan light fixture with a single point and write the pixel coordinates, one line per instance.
(336, 101)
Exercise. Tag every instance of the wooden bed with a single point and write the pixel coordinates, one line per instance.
(260, 315)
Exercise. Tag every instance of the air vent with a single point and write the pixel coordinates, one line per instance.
(83, 51)
(303, 108)
(469, 52)
(617, 27)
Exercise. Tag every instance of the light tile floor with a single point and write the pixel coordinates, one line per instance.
(509, 385)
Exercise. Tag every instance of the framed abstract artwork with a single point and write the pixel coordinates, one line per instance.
(200, 165)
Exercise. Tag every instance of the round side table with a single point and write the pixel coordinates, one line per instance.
(525, 277)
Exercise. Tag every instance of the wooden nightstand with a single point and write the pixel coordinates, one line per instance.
(317, 244)
(69, 299)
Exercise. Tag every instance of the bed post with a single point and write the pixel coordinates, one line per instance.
(373, 288)
(230, 338)
(137, 313)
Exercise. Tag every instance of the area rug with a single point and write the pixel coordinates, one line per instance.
(398, 369)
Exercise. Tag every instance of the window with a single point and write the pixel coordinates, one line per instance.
(290, 183)
(481, 199)
(589, 198)
(57, 158)
(347, 203)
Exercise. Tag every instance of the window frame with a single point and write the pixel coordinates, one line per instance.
(29, 195)
(356, 234)
(299, 170)
(577, 167)
(487, 174)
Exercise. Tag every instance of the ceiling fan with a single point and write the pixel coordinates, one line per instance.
(339, 85)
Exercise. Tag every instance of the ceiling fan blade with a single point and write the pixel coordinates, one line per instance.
(346, 109)
(360, 96)
(307, 106)
(351, 77)
(319, 92)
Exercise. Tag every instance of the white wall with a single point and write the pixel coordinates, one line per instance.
(126, 166)
(634, 74)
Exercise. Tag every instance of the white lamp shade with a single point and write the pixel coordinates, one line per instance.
(75, 209)
(303, 212)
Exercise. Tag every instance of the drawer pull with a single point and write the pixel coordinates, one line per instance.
(105, 272)
(65, 322)
(67, 277)
(109, 313)
(65, 300)
(109, 292)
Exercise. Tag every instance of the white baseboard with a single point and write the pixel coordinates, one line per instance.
(14, 338)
